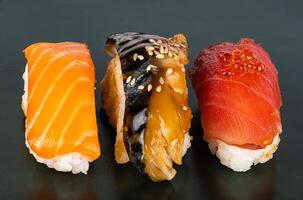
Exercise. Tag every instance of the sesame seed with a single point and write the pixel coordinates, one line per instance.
(183, 69)
(140, 57)
(149, 87)
(149, 48)
(135, 56)
(159, 41)
(152, 40)
(128, 79)
(178, 90)
(158, 89)
(175, 56)
(169, 71)
(161, 80)
(176, 45)
(140, 87)
(185, 108)
(170, 54)
(150, 53)
(173, 49)
(183, 45)
(165, 50)
(161, 49)
(153, 66)
(156, 52)
(133, 82)
(160, 56)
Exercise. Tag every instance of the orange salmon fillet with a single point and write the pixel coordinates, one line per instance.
(61, 116)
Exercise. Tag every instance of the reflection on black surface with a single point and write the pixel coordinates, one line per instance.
(103, 117)
(48, 184)
(223, 183)
(134, 185)
(149, 191)
(130, 183)
(255, 184)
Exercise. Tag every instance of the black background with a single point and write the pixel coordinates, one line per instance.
(276, 24)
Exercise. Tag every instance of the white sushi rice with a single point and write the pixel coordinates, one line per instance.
(139, 119)
(186, 143)
(72, 162)
(240, 159)
(24, 96)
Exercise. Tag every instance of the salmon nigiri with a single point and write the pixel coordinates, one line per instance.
(59, 105)
(145, 95)
(239, 98)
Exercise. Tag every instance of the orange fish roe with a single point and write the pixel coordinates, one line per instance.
(239, 62)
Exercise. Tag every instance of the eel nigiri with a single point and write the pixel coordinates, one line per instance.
(144, 93)
(59, 105)
(239, 98)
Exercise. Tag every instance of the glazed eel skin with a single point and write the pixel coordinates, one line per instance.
(153, 129)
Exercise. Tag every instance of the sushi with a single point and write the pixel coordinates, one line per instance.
(144, 92)
(59, 105)
(239, 99)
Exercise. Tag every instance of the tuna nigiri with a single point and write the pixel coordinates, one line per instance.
(144, 93)
(59, 105)
(239, 98)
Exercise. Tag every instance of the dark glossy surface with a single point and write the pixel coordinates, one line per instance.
(136, 99)
(276, 24)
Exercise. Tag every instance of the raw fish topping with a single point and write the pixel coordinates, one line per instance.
(239, 62)
(238, 92)
(61, 126)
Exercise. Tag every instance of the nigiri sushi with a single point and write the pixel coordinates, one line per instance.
(144, 93)
(59, 105)
(239, 99)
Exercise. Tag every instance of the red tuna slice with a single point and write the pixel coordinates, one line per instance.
(238, 94)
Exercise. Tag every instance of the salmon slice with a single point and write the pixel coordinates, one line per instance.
(238, 94)
(60, 102)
